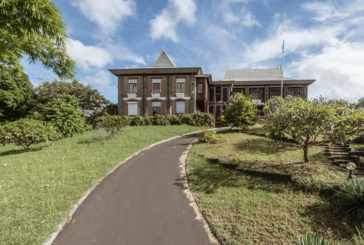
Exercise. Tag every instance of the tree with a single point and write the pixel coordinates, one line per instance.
(306, 121)
(66, 116)
(360, 103)
(15, 91)
(241, 112)
(34, 28)
(90, 100)
(26, 132)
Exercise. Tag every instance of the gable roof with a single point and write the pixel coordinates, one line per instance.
(163, 60)
(254, 74)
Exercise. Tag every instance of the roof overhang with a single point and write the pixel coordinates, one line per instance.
(267, 82)
(208, 76)
(151, 71)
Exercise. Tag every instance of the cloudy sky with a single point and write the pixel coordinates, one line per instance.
(324, 40)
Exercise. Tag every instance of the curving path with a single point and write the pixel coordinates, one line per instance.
(141, 202)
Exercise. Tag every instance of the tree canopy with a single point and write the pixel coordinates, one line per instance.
(34, 28)
(15, 91)
(241, 112)
(312, 122)
(90, 99)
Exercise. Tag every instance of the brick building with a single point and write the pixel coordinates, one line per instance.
(165, 88)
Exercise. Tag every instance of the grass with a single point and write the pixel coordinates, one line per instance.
(259, 153)
(251, 210)
(39, 187)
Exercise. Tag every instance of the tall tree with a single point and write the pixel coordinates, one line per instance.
(34, 28)
(15, 91)
(91, 101)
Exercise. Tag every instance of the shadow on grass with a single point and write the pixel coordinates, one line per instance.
(268, 147)
(207, 176)
(89, 141)
(14, 152)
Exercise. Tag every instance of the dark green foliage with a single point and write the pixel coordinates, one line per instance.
(137, 121)
(90, 100)
(27, 132)
(65, 114)
(127, 120)
(314, 240)
(15, 91)
(241, 112)
(34, 28)
(109, 127)
(148, 121)
(351, 195)
(203, 119)
(160, 120)
(175, 120)
(187, 119)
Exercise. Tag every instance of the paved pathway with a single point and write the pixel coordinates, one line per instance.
(142, 202)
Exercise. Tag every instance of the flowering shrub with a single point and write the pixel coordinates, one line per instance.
(209, 137)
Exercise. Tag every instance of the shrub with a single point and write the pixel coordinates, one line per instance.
(202, 119)
(137, 121)
(351, 196)
(175, 120)
(65, 114)
(209, 137)
(126, 120)
(187, 119)
(148, 121)
(109, 127)
(223, 121)
(241, 112)
(27, 132)
(160, 120)
(314, 240)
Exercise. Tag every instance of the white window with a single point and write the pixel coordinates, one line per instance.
(132, 108)
(156, 86)
(132, 86)
(181, 85)
(200, 88)
(180, 107)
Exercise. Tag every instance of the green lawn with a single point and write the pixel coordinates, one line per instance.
(251, 210)
(39, 187)
(259, 153)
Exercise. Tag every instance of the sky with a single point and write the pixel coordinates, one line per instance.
(324, 40)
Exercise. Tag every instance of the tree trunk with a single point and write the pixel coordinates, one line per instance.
(305, 154)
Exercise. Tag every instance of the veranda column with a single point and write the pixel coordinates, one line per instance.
(193, 94)
(120, 96)
(168, 95)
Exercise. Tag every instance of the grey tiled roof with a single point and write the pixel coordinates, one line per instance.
(254, 74)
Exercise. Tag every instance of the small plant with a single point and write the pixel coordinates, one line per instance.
(209, 137)
(359, 238)
(351, 196)
(314, 240)
(27, 132)
(109, 127)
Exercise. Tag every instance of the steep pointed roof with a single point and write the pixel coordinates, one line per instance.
(163, 60)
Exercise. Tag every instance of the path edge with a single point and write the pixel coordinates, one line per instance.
(212, 228)
(87, 193)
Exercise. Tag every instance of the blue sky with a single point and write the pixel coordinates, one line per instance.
(323, 39)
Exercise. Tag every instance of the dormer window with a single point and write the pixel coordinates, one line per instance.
(156, 86)
(133, 86)
(181, 85)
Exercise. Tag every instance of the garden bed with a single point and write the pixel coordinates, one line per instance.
(39, 187)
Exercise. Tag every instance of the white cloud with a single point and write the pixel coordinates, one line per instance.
(88, 56)
(249, 19)
(100, 77)
(338, 70)
(176, 12)
(107, 14)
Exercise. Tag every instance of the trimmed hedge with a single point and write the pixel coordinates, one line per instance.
(196, 119)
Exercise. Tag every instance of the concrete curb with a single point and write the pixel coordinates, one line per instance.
(73, 210)
(212, 228)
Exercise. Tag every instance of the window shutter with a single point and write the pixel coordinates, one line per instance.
(180, 106)
(156, 104)
(132, 109)
(132, 81)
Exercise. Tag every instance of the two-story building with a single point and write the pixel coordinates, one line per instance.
(165, 88)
